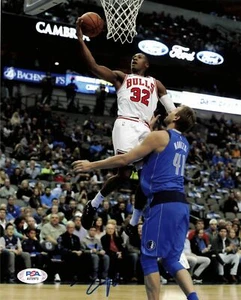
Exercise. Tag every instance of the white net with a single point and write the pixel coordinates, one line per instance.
(121, 18)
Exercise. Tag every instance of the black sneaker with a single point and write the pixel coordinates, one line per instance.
(88, 215)
(223, 279)
(130, 230)
(11, 279)
(197, 279)
(233, 279)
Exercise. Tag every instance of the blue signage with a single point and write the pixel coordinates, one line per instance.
(86, 85)
(24, 75)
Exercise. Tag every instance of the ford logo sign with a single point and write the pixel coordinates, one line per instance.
(210, 58)
(153, 47)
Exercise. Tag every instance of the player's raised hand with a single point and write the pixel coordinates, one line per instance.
(154, 119)
(79, 32)
(81, 165)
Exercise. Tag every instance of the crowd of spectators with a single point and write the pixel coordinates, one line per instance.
(41, 199)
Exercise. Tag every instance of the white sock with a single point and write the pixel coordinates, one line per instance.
(97, 200)
(137, 213)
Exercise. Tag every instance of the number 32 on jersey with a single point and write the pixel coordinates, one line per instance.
(140, 95)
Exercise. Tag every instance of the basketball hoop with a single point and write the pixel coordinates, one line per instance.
(121, 18)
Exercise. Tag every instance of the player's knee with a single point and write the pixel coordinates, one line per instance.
(149, 264)
(172, 267)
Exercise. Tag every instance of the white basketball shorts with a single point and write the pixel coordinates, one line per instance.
(128, 133)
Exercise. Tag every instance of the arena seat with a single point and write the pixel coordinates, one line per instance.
(238, 215)
(230, 215)
(211, 201)
(215, 208)
(201, 201)
(20, 203)
(14, 187)
(3, 201)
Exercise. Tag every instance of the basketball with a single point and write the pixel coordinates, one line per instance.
(92, 24)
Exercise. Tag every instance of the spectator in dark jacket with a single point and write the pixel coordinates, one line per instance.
(222, 246)
(112, 244)
(24, 192)
(133, 246)
(1, 231)
(17, 177)
(33, 247)
(35, 200)
(121, 214)
(230, 205)
(71, 89)
(70, 249)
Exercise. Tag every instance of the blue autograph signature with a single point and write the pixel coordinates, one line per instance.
(93, 286)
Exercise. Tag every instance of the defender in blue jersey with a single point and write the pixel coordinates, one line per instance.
(167, 212)
(162, 183)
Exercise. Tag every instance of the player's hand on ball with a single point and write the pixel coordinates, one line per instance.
(79, 32)
(81, 165)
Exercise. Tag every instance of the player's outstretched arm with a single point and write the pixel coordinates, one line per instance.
(155, 141)
(100, 71)
(165, 100)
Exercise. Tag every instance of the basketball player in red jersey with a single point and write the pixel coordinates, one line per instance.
(137, 98)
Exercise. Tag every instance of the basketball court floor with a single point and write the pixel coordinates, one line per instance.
(120, 292)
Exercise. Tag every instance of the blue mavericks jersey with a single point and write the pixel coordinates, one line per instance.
(164, 171)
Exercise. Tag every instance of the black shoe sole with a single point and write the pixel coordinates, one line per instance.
(87, 218)
(86, 223)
